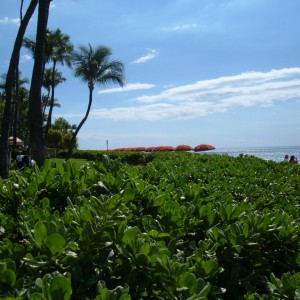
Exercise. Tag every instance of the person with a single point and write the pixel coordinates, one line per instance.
(293, 160)
(19, 159)
(286, 158)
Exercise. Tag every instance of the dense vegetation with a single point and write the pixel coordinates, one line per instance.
(182, 226)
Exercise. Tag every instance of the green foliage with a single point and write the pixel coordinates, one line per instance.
(130, 157)
(63, 125)
(182, 226)
(59, 140)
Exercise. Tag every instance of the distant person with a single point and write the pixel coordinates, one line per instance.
(293, 160)
(286, 158)
(19, 159)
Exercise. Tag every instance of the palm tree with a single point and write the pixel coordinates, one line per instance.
(36, 141)
(20, 94)
(52, 78)
(10, 78)
(62, 48)
(57, 50)
(93, 66)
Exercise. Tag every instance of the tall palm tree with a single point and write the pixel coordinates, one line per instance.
(13, 67)
(19, 97)
(93, 66)
(36, 141)
(61, 53)
(52, 78)
(57, 50)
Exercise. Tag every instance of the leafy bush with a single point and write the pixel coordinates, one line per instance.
(182, 226)
(130, 157)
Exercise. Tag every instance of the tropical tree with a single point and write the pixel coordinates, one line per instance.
(57, 50)
(36, 141)
(10, 79)
(60, 134)
(47, 84)
(63, 125)
(94, 66)
(61, 50)
(19, 110)
(20, 96)
(52, 78)
(56, 78)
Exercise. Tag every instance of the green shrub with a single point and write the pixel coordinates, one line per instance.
(163, 226)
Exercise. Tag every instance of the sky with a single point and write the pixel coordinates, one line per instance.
(220, 72)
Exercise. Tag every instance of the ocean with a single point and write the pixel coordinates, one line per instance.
(268, 153)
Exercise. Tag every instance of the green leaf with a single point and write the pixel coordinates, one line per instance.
(142, 259)
(60, 288)
(205, 291)
(210, 267)
(40, 233)
(188, 280)
(145, 248)
(37, 296)
(131, 233)
(159, 200)
(19, 251)
(125, 297)
(55, 243)
(129, 192)
(8, 277)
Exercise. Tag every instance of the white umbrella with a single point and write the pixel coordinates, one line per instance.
(19, 142)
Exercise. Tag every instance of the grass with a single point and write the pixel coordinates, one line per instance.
(59, 161)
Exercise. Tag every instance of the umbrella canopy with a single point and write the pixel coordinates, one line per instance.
(163, 148)
(183, 148)
(138, 149)
(19, 142)
(204, 147)
(149, 149)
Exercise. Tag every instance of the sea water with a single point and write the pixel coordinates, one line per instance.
(268, 153)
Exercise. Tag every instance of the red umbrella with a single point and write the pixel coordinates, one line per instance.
(163, 148)
(137, 149)
(149, 149)
(183, 148)
(204, 147)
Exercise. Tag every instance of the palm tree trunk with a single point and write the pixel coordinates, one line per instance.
(35, 106)
(51, 102)
(16, 112)
(14, 61)
(73, 140)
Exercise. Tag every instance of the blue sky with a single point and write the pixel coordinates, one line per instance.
(222, 72)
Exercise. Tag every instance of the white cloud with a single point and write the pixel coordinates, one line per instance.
(7, 20)
(211, 96)
(152, 53)
(154, 112)
(180, 27)
(128, 87)
(251, 83)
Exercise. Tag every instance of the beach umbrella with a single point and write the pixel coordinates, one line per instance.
(149, 149)
(119, 149)
(204, 147)
(183, 148)
(163, 148)
(19, 142)
(138, 149)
